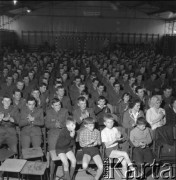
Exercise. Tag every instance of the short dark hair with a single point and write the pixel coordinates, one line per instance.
(77, 77)
(108, 116)
(42, 84)
(81, 98)
(84, 92)
(141, 121)
(89, 120)
(134, 102)
(60, 87)
(95, 79)
(31, 98)
(100, 84)
(54, 100)
(81, 83)
(17, 90)
(70, 120)
(167, 87)
(116, 82)
(137, 88)
(101, 98)
(126, 94)
(7, 95)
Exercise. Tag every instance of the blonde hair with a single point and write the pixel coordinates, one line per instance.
(154, 99)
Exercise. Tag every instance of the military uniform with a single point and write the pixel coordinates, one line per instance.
(20, 104)
(7, 128)
(52, 117)
(31, 132)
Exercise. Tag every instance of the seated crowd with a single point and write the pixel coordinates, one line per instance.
(127, 95)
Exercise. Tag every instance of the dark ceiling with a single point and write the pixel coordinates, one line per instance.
(151, 8)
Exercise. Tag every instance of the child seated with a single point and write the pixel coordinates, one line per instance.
(141, 138)
(64, 148)
(100, 110)
(110, 137)
(89, 138)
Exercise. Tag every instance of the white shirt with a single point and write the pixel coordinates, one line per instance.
(109, 135)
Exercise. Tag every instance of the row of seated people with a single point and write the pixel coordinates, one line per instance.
(129, 114)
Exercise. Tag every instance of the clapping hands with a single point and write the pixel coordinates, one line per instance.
(162, 114)
(84, 115)
(6, 118)
(58, 125)
(1, 116)
(30, 118)
(142, 144)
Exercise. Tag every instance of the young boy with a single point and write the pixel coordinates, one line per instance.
(89, 138)
(110, 137)
(64, 148)
(100, 110)
(141, 138)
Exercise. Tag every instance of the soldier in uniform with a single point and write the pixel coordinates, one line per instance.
(9, 117)
(31, 122)
(55, 121)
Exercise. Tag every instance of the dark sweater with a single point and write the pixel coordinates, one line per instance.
(64, 140)
(99, 113)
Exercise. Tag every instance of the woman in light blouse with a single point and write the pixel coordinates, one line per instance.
(155, 115)
(130, 116)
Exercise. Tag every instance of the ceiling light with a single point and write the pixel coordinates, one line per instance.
(28, 10)
(15, 2)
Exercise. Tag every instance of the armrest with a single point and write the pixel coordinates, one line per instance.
(159, 151)
(103, 151)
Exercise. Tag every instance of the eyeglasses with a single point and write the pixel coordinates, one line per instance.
(158, 102)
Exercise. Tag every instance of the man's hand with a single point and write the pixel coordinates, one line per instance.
(91, 142)
(84, 115)
(95, 143)
(58, 125)
(12, 120)
(142, 144)
(47, 100)
(7, 118)
(30, 118)
(1, 116)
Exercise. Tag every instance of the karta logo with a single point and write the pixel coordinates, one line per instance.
(112, 168)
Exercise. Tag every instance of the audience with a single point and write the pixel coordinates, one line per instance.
(130, 82)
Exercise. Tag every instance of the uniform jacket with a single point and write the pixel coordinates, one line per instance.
(27, 127)
(52, 117)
